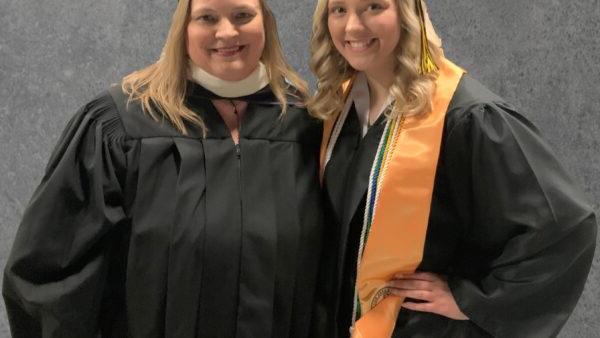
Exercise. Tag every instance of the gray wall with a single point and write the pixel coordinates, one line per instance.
(543, 56)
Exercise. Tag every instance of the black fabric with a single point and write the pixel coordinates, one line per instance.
(347, 176)
(507, 226)
(263, 96)
(139, 231)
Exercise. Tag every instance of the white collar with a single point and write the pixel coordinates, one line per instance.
(250, 85)
(360, 96)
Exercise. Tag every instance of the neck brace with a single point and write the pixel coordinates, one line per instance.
(256, 81)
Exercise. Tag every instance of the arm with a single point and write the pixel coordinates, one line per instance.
(56, 272)
(531, 233)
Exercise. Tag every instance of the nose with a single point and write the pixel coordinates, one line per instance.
(354, 24)
(226, 30)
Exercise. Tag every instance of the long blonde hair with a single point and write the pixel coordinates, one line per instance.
(161, 87)
(411, 89)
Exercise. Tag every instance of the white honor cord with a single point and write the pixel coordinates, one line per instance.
(363, 232)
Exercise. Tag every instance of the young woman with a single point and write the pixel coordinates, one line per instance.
(184, 203)
(453, 217)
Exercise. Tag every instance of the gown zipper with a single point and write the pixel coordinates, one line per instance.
(238, 151)
(238, 155)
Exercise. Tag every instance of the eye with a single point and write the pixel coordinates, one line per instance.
(207, 19)
(374, 7)
(337, 10)
(244, 17)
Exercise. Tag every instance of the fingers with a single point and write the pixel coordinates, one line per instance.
(425, 276)
(419, 285)
(414, 294)
(421, 307)
(410, 284)
(431, 289)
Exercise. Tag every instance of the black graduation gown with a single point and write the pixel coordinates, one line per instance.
(507, 226)
(139, 231)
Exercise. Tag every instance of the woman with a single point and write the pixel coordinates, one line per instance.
(183, 204)
(453, 216)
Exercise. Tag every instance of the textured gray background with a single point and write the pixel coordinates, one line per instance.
(543, 56)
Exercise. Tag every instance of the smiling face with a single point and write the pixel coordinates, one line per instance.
(226, 38)
(365, 33)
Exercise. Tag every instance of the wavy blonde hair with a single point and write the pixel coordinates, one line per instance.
(161, 87)
(412, 90)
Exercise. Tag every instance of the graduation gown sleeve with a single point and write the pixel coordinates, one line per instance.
(528, 234)
(56, 273)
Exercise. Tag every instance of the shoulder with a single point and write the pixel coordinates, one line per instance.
(471, 92)
(294, 96)
(290, 123)
(96, 123)
(308, 128)
(475, 107)
(99, 116)
(270, 121)
(137, 123)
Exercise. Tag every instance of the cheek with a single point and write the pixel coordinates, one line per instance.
(336, 32)
(394, 38)
(188, 41)
(259, 39)
(197, 38)
(197, 42)
(391, 30)
(256, 37)
(388, 35)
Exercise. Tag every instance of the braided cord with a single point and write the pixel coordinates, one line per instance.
(385, 149)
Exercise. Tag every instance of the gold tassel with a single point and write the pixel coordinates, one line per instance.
(427, 63)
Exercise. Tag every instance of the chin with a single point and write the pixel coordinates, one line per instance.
(361, 65)
(233, 72)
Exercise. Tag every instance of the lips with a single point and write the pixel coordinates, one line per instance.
(228, 51)
(359, 45)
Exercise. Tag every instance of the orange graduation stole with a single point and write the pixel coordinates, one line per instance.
(398, 204)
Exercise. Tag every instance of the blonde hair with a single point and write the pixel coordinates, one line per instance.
(161, 87)
(411, 89)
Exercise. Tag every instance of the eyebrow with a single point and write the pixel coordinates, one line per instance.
(202, 10)
(254, 8)
(206, 9)
(341, 2)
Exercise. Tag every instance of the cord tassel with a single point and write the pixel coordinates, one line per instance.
(427, 63)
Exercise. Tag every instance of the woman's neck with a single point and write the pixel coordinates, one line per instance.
(379, 92)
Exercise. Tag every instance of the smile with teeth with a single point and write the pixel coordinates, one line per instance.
(359, 45)
(227, 51)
